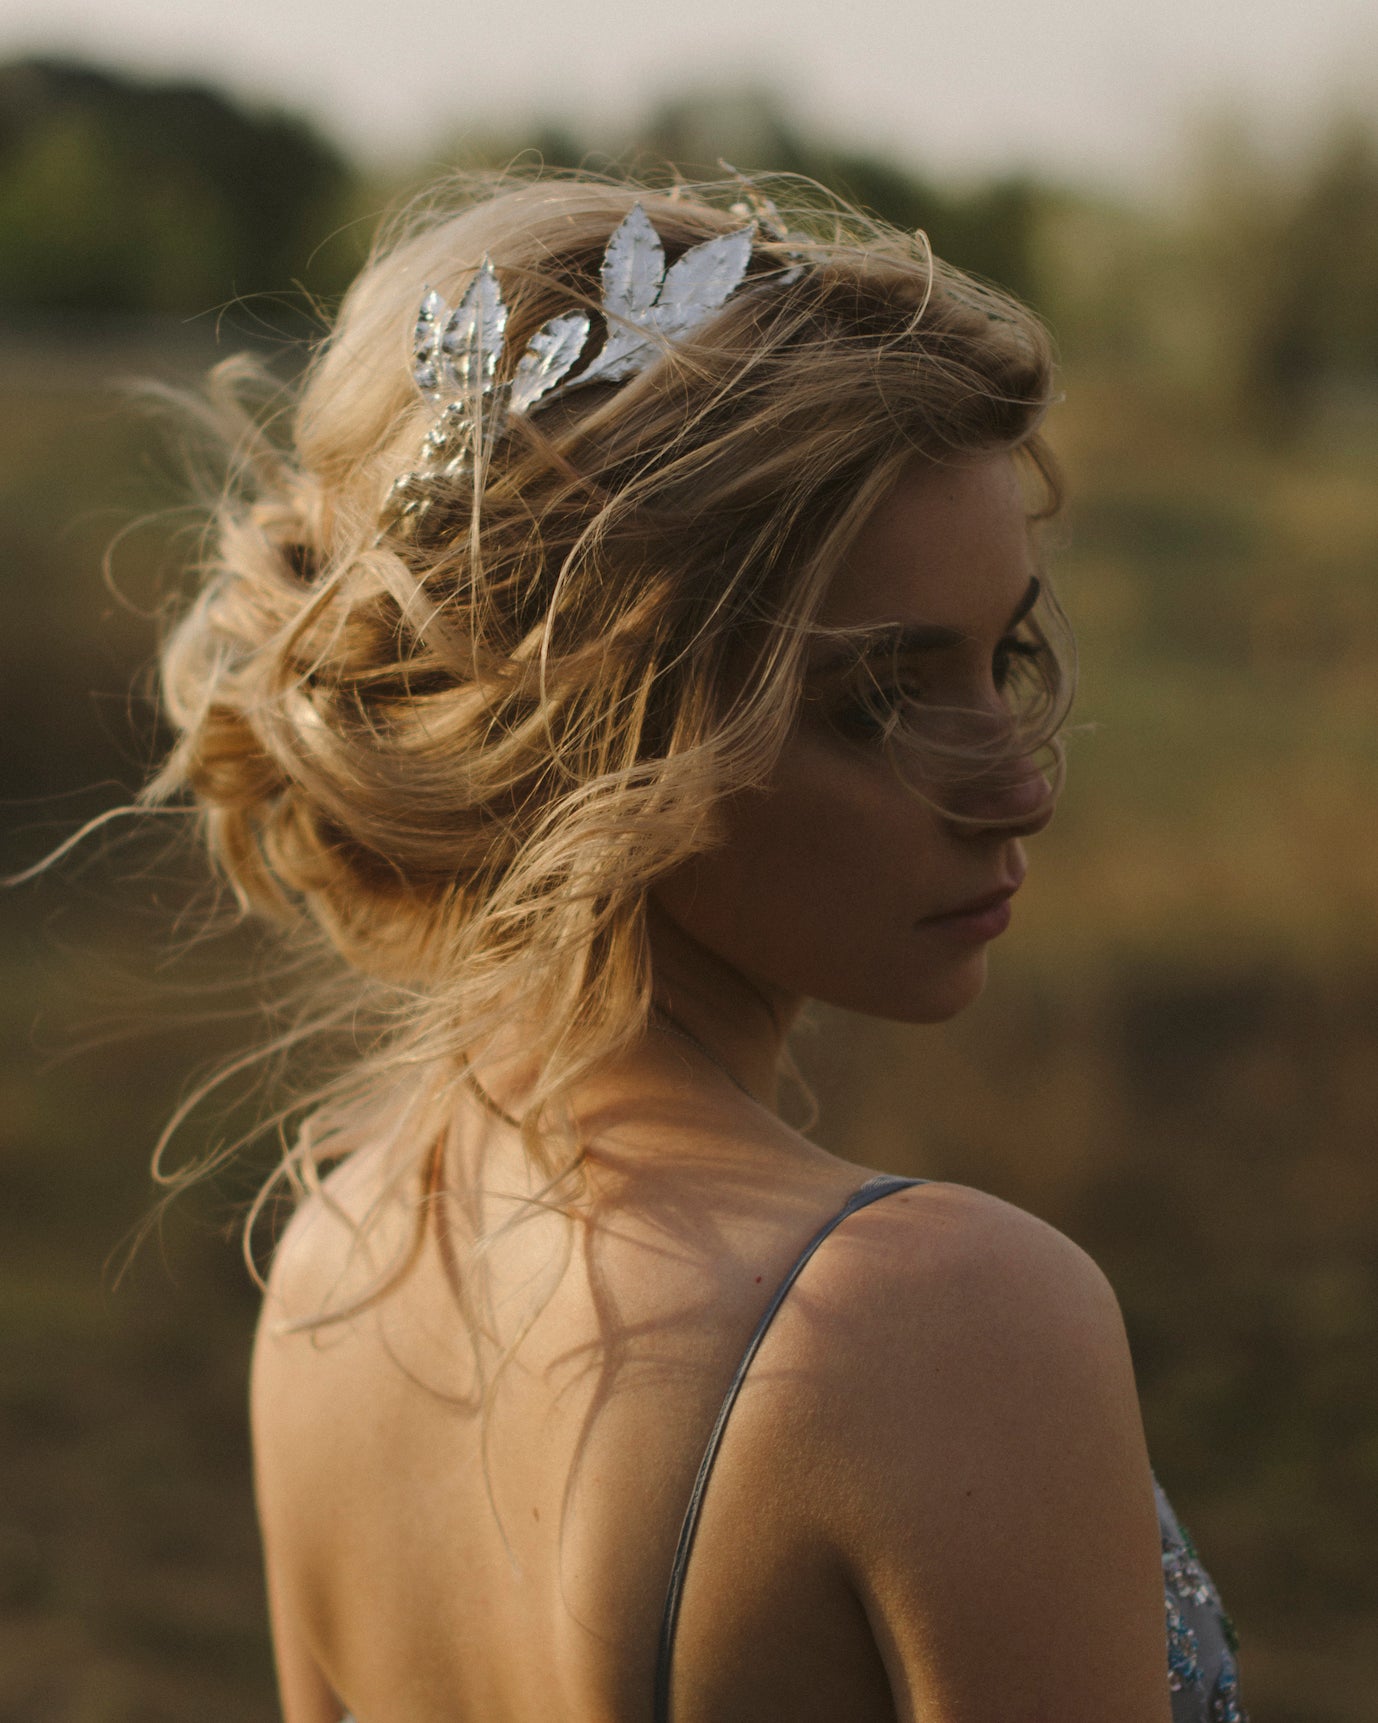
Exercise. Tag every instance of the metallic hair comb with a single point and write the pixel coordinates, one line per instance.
(457, 354)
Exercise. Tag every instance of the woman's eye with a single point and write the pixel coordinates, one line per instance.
(1012, 652)
(873, 711)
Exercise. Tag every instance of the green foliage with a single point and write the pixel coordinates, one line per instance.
(123, 197)
(1252, 296)
(1317, 328)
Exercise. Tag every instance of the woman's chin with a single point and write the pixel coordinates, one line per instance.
(947, 995)
(934, 996)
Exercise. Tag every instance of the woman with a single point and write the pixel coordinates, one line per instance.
(659, 644)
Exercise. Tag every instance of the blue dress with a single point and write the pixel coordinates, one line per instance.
(1201, 1670)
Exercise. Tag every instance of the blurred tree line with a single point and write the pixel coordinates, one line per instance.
(119, 196)
(1258, 294)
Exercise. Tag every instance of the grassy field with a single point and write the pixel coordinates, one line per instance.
(1176, 1062)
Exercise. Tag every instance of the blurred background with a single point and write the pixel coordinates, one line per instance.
(1177, 1058)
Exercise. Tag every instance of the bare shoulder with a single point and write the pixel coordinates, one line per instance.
(319, 1270)
(941, 1269)
(305, 1265)
(316, 1261)
(950, 1318)
(982, 1459)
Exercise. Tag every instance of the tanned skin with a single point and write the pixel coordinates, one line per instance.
(933, 1501)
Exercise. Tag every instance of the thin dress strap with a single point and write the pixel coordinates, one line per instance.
(881, 1186)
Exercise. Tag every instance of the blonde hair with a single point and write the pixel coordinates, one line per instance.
(456, 762)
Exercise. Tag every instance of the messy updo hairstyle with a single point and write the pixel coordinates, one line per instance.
(453, 761)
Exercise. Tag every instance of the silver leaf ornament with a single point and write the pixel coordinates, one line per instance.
(456, 354)
(633, 269)
(550, 353)
(633, 266)
(703, 280)
(426, 342)
(472, 337)
(644, 306)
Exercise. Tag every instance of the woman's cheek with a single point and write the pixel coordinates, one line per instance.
(835, 853)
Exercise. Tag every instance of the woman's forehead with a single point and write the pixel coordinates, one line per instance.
(947, 547)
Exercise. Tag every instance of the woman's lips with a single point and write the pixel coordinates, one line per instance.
(982, 919)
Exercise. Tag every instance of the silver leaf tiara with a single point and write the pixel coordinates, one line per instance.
(456, 354)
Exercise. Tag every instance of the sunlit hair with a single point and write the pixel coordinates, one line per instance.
(457, 761)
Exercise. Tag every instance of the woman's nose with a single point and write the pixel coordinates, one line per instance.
(1019, 801)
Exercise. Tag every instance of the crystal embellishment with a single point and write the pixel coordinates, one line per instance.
(1183, 1654)
(1183, 1573)
(1225, 1706)
(1202, 1674)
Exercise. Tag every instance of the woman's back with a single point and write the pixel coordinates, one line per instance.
(440, 1563)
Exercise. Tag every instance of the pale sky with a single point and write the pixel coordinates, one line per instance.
(1099, 90)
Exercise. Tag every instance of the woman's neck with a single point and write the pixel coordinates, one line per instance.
(738, 1022)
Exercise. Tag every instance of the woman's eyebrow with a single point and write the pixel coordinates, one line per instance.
(898, 638)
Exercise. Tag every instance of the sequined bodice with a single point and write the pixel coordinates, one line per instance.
(1201, 1669)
